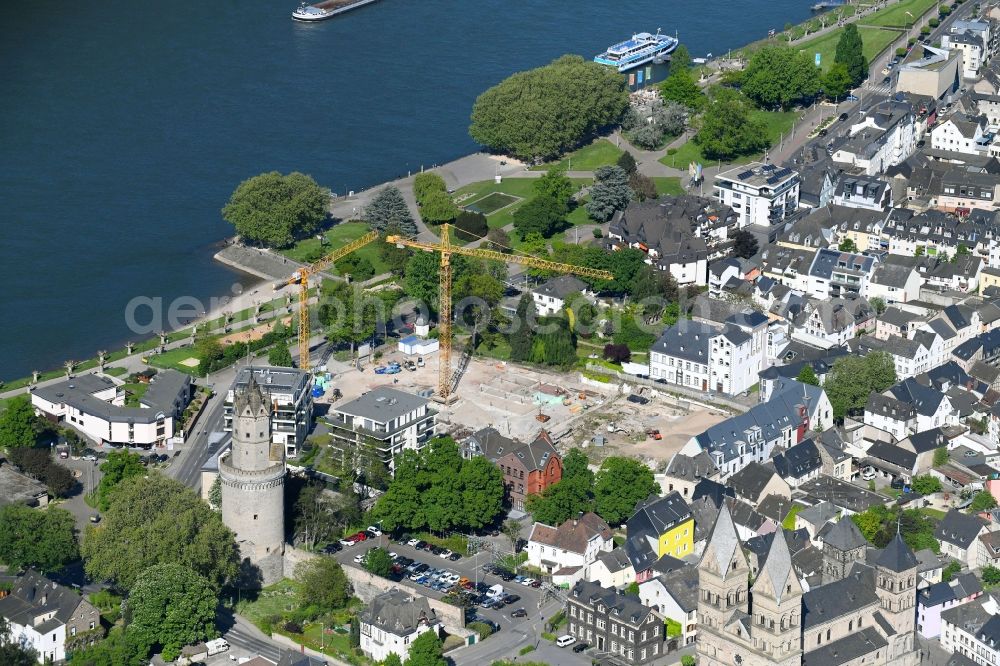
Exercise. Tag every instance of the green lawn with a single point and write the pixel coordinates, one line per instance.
(668, 185)
(523, 188)
(491, 203)
(338, 236)
(777, 122)
(134, 392)
(172, 359)
(600, 153)
(936, 514)
(875, 41)
(895, 15)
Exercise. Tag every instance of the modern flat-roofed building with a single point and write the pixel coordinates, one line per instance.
(103, 411)
(291, 403)
(386, 419)
(759, 194)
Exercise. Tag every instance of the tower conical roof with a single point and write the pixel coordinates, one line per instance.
(773, 579)
(845, 535)
(251, 397)
(723, 543)
(897, 556)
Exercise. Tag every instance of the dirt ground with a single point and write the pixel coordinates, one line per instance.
(492, 393)
(255, 333)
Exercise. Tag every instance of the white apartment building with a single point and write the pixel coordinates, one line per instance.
(971, 38)
(290, 393)
(386, 420)
(886, 136)
(705, 357)
(962, 134)
(107, 414)
(568, 550)
(759, 194)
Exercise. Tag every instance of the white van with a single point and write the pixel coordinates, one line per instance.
(216, 645)
(565, 640)
(495, 591)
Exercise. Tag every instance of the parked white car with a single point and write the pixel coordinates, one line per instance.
(565, 640)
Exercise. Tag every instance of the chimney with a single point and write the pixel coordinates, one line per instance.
(579, 517)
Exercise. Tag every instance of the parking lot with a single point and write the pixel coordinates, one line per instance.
(470, 567)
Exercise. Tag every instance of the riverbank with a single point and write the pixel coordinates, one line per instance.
(460, 172)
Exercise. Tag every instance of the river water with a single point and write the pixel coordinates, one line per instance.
(124, 127)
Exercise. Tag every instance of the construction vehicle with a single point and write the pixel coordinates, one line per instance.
(655, 434)
(301, 278)
(446, 385)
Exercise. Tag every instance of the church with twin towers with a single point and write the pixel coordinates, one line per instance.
(864, 612)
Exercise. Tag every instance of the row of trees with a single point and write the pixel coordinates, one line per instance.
(436, 205)
(435, 488)
(612, 493)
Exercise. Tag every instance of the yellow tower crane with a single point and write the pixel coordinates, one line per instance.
(301, 278)
(446, 249)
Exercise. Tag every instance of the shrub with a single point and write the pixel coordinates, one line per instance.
(292, 627)
(526, 649)
(484, 630)
(671, 151)
(549, 637)
(687, 660)
(470, 225)
(598, 233)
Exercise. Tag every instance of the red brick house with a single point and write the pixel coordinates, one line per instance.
(527, 468)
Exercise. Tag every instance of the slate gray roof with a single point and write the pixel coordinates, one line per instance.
(688, 340)
(969, 617)
(818, 514)
(682, 584)
(893, 454)
(775, 507)
(691, 467)
(925, 399)
(652, 518)
(833, 600)
(843, 494)
(749, 482)
(16, 487)
(491, 444)
(828, 260)
(163, 395)
(32, 595)
(890, 407)
(897, 556)
(959, 529)
(935, 595)
(723, 542)
(573, 535)
(773, 578)
(847, 649)
(892, 275)
(845, 535)
(625, 607)
(397, 612)
(383, 404)
(771, 418)
(614, 559)
(798, 461)
(561, 286)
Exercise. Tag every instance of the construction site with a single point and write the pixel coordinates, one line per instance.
(604, 418)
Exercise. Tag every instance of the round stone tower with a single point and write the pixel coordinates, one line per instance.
(253, 487)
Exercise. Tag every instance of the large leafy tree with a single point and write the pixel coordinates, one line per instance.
(349, 314)
(155, 520)
(554, 344)
(438, 208)
(171, 606)
(681, 87)
(436, 488)
(546, 111)
(274, 210)
(280, 356)
(426, 182)
(17, 424)
(388, 209)
(541, 215)
(837, 81)
(426, 650)
(378, 562)
(322, 583)
(574, 493)
(619, 485)
(744, 244)
(42, 539)
(850, 52)
(421, 279)
(853, 378)
(609, 194)
(728, 129)
(120, 465)
(780, 76)
(555, 184)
